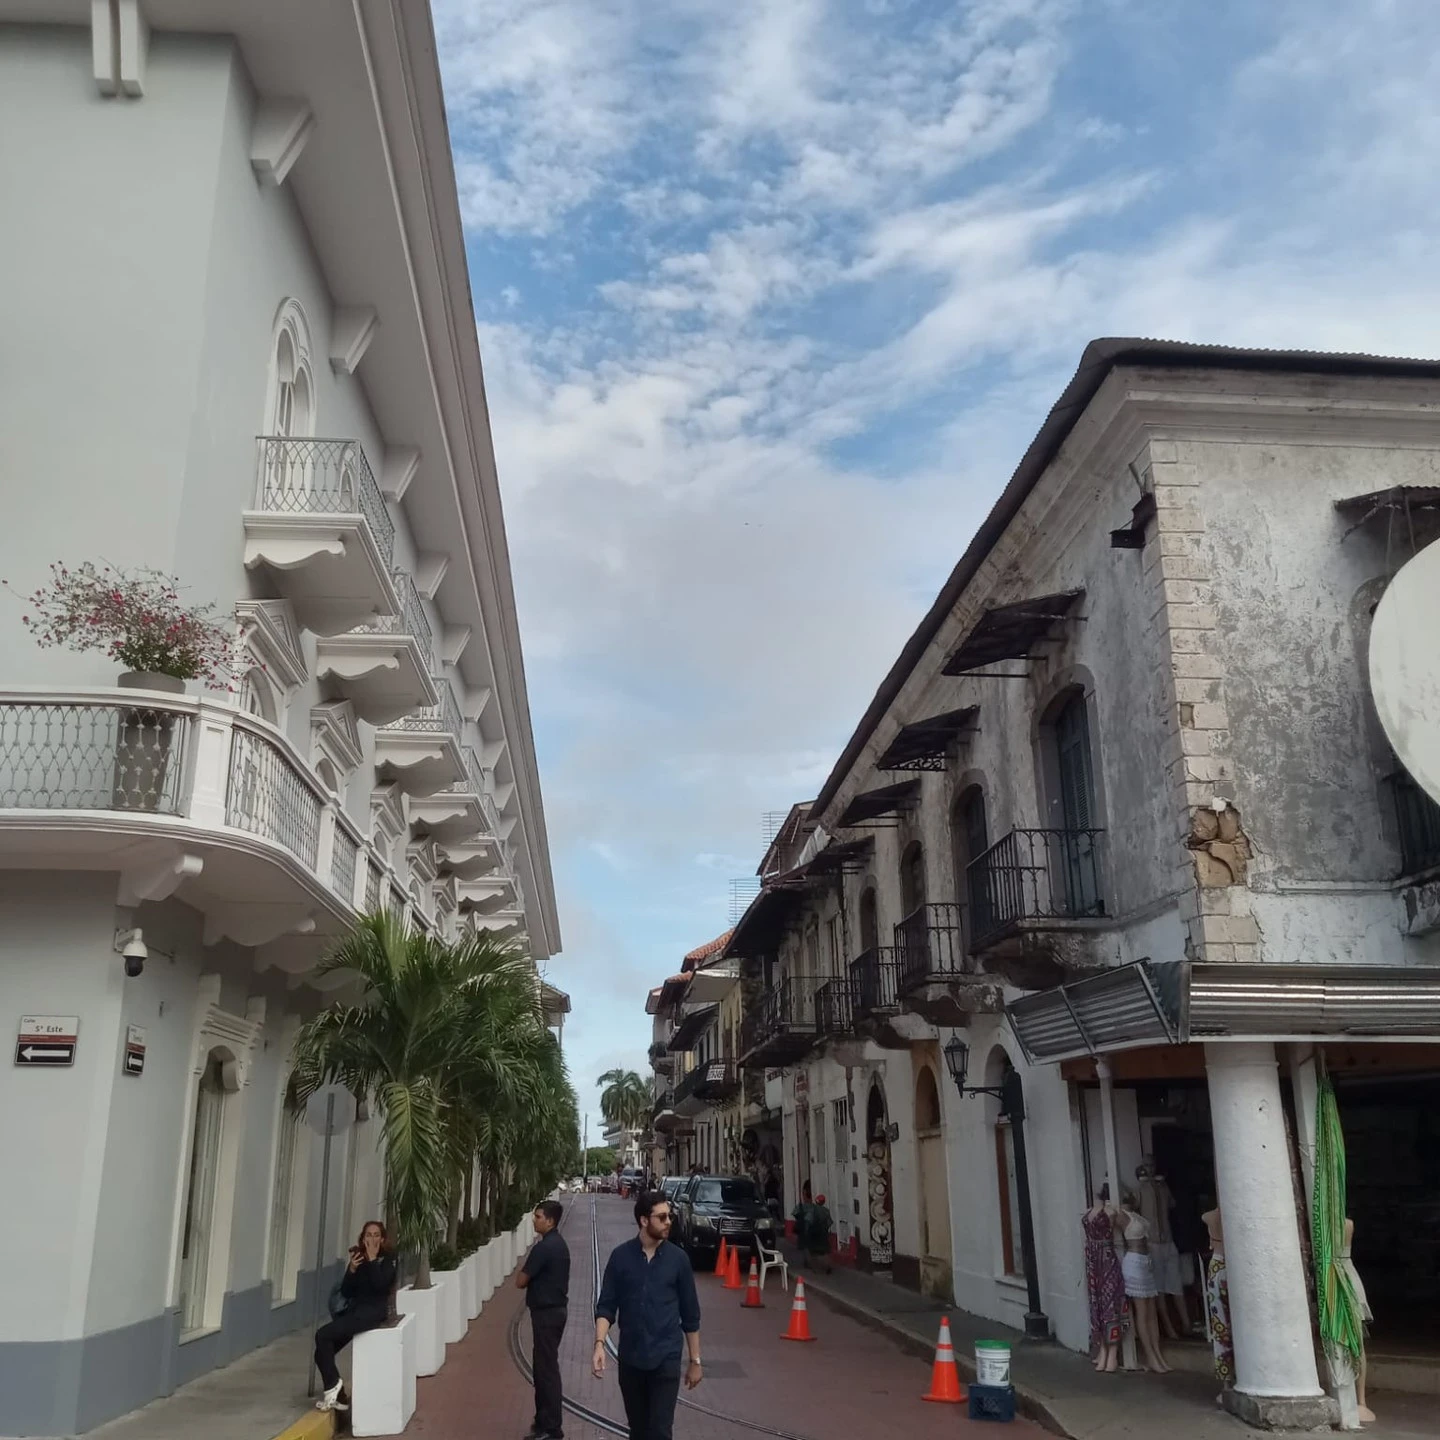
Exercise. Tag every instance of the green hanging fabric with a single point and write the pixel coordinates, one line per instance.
(1340, 1322)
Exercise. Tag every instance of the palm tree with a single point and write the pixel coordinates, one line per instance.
(450, 1044)
(625, 1099)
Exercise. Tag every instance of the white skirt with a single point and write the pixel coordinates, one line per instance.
(1139, 1276)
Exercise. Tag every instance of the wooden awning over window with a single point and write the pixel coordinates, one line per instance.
(872, 804)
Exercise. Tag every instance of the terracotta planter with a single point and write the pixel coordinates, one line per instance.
(143, 741)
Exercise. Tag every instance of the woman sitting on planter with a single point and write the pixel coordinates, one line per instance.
(363, 1304)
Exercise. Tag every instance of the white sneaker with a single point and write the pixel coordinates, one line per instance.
(330, 1398)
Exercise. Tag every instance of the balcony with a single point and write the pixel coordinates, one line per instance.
(423, 752)
(663, 1118)
(710, 1083)
(938, 980)
(661, 1060)
(456, 813)
(835, 1010)
(875, 982)
(1029, 891)
(383, 666)
(182, 797)
(321, 530)
(781, 1028)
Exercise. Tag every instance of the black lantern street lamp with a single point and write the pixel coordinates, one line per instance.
(1010, 1093)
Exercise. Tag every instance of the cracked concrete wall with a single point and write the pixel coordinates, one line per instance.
(1274, 695)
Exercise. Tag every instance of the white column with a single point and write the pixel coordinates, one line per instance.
(1269, 1313)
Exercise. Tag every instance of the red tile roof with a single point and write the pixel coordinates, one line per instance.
(708, 951)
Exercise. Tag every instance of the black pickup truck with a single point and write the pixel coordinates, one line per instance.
(709, 1206)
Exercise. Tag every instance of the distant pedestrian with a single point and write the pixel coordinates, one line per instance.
(545, 1279)
(649, 1289)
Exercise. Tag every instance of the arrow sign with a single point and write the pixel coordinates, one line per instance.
(134, 1050)
(134, 1062)
(47, 1039)
(45, 1054)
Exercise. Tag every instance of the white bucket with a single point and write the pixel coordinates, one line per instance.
(992, 1362)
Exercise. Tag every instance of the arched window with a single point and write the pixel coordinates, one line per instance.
(969, 840)
(1072, 842)
(912, 878)
(291, 408)
(257, 696)
(869, 920)
(328, 778)
(196, 1310)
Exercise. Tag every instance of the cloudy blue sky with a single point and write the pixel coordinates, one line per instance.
(772, 295)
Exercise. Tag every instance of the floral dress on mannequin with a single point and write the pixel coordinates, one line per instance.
(1103, 1278)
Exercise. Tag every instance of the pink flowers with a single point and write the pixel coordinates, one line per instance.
(136, 618)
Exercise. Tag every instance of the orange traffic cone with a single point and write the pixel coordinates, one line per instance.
(799, 1315)
(732, 1275)
(944, 1377)
(752, 1300)
(722, 1259)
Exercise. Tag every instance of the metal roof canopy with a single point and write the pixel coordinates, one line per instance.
(759, 929)
(1010, 632)
(1147, 1004)
(872, 804)
(691, 1028)
(849, 855)
(923, 744)
(1397, 497)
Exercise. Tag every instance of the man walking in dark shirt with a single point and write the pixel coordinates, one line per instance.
(649, 1288)
(545, 1279)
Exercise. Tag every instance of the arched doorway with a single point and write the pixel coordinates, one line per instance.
(936, 1262)
(879, 1190)
(969, 840)
(912, 878)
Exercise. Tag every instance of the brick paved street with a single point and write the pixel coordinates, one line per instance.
(854, 1384)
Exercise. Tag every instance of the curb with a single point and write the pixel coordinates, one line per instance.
(1027, 1402)
(317, 1425)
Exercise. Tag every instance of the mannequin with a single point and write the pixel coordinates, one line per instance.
(1366, 1314)
(1156, 1202)
(1104, 1281)
(1217, 1304)
(1139, 1275)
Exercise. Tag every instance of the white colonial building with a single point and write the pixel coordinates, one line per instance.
(236, 344)
(1121, 836)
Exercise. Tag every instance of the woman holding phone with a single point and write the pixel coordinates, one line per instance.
(369, 1279)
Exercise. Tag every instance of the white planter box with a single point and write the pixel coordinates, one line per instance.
(452, 1304)
(470, 1277)
(492, 1267)
(382, 1379)
(424, 1305)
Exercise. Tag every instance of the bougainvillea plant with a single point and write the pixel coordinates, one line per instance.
(137, 618)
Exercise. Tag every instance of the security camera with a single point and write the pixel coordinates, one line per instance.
(135, 953)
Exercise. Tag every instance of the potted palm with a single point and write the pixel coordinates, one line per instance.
(137, 618)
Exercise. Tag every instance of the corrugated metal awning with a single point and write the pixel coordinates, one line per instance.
(1158, 1004)
(1117, 1010)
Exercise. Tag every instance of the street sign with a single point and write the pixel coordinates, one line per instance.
(134, 1050)
(47, 1039)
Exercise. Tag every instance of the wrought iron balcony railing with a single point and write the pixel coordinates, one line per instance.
(323, 477)
(410, 621)
(267, 797)
(1035, 876)
(875, 981)
(474, 781)
(1419, 819)
(709, 1083)
(835, 1008)
(931, 945)
(443, 719)
(93, 757)
(344, 856)
(783, 1020)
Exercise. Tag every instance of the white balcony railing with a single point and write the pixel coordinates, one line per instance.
(216, 771)
(323, 477)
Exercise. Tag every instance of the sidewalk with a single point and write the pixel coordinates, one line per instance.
(1061, 1390)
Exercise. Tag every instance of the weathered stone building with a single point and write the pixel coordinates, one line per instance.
(1120, 841)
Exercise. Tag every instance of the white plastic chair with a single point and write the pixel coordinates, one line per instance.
(773, 1260)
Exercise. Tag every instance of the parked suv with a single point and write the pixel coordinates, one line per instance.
(709, 1206)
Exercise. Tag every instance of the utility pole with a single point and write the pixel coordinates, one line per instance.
(585, 1154)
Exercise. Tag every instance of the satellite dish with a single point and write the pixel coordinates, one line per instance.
(1405, 667)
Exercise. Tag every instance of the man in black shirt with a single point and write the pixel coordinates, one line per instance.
(649, 1288)
(545, 1279)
